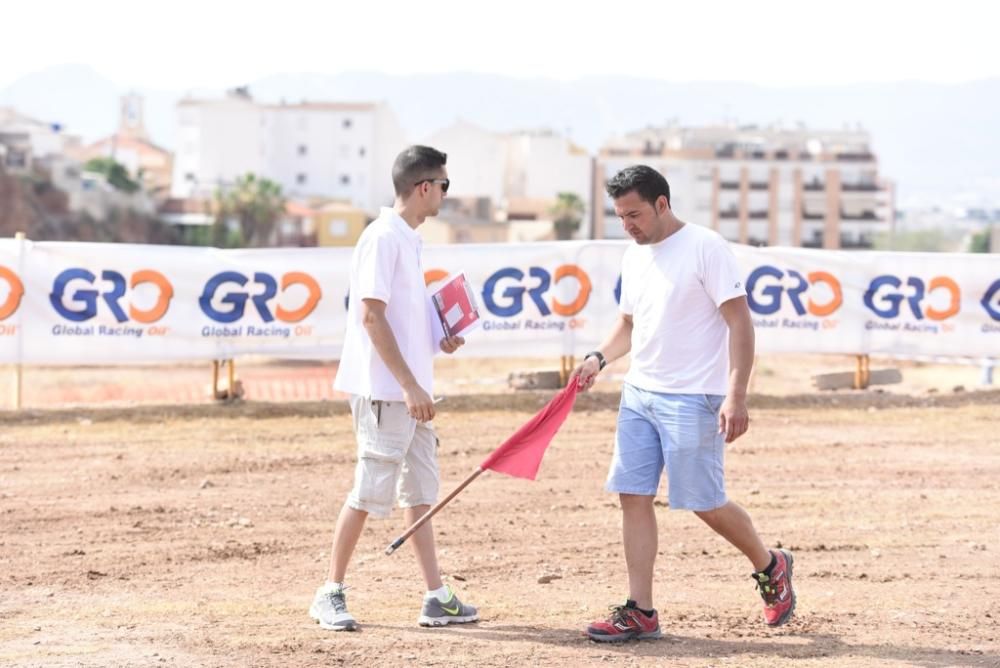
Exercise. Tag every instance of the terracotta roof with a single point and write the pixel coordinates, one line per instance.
(298, 209)
(128, 142)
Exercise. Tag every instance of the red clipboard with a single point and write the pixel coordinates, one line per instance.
(455, 304)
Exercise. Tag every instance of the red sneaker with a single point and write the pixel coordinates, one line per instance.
(776, 589)
(624, 623)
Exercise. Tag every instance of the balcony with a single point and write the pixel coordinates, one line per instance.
(815, 240)
(855, 156)
(864, 215)
(860, 187)
(651, 149)
(808, 215)
(860, 242)
(759, 185)
(725, 151)
(729, 185)
(814, 186)
(729, 213)
(760, 214)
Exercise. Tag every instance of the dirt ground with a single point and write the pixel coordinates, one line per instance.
(195, 534)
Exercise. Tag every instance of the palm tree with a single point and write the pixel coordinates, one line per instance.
(567, 214)
(256, 204)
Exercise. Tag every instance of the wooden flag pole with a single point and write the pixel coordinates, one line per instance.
(430, 513)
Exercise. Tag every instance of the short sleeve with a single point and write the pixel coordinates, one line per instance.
(376, 263)
(722, 276)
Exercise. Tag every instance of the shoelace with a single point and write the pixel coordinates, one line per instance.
(338, 600)
(619, 613)
(768, 590)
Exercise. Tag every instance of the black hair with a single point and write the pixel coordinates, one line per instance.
(642, 179)
(415, 164)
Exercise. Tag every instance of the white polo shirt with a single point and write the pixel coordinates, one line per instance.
(386, 266)
(673, 290)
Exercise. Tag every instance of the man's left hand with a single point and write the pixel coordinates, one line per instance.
(733, 418)
(450, 344)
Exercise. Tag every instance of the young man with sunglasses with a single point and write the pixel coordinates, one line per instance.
(387, 367)
(684, 318)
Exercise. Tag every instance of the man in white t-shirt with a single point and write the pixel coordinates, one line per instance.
(387, 367)
(684, 318)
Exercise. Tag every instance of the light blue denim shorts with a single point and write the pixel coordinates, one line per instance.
(680, 431)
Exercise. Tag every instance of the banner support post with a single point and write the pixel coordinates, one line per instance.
(862, 372)
(19, 368)
(232, 379)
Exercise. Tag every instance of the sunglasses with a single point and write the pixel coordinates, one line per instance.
(444, 183)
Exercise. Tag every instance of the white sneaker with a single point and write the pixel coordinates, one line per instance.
(329, 608)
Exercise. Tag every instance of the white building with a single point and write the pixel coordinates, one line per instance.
(522, 173)
(477, 160)
(27, 140)
(762, 186)
(342, 151)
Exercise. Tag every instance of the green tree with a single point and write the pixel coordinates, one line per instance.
(567, 214)
(114, 172)
(931, 240)
(980, 242)
(255, 204)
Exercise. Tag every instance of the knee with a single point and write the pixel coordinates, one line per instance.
(635, 501)
(711, 516)
(707, 516)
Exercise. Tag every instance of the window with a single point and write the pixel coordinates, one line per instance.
(338, 228)
(361, 152)
(347, 124)
(189, 177)
(17, 159)
(301, 179)
(303, 149)
(345, 180)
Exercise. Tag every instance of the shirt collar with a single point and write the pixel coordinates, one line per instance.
(397, 222)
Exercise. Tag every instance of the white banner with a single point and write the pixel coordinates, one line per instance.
(71, 303)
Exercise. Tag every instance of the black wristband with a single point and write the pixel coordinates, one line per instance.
(600, 358)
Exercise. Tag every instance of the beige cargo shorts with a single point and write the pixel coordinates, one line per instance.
(397, 456)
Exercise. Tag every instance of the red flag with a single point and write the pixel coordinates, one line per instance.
(521, 454)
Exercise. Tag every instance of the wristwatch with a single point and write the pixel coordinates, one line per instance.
(600, 358)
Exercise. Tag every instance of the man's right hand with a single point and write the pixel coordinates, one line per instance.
(418, 403)
(586, 373)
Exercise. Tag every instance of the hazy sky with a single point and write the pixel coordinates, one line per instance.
(213, 43)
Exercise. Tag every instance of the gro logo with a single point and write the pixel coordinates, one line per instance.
(884, 296)
(233, 301)
(14, 294)
(510, 301)
(771, 284)
(80, 304)
(992, 293)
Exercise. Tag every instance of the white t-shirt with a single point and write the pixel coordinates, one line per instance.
(386, 266)
(673, 290)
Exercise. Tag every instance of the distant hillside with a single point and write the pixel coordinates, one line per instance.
(937, 141)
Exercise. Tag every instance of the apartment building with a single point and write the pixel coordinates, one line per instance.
(520, 173)
(759, 185)
(337, 150)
